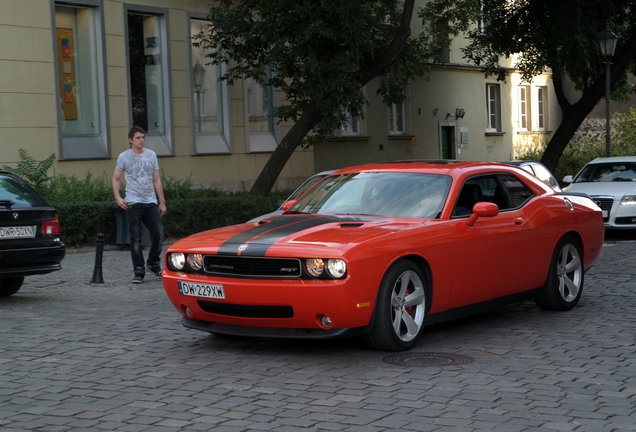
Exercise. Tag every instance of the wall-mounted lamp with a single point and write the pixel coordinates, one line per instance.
(459, 113)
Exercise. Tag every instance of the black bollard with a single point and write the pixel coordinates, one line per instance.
(99, 252)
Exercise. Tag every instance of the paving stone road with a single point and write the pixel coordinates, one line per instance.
(76, 356)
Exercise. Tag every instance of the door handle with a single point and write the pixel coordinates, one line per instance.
(520, 221)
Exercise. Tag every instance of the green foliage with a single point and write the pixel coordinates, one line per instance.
(82, 221)
(71, 189)
(36, 173)
(561, 35)
(321, 52)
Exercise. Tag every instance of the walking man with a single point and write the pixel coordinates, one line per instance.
(140, 168)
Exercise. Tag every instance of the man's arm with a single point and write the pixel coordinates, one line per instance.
(156, 180)
(116, 180)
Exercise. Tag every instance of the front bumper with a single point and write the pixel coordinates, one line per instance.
(272, 332)
(267, 304)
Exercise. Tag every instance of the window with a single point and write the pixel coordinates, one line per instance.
(260, 102)
(541, 109)
(351, 127)
(505, 190)
(523, 107)
(148, 77)
(397, 119)
(493, 108)
(210, 120)
(81, 93)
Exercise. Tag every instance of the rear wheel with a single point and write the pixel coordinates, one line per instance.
(10, 286)
(564, 285)
(401, 307)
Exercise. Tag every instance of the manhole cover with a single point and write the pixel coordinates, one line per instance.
(425, 359)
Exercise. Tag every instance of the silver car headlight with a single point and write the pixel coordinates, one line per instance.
(195, 261)
(315, 266)
(628, 200)
(177, 260)
(336, 268)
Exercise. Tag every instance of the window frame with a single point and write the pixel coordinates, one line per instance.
(84, 146)
(493, 119)
(524, 108)
(541, 123)
(204, 143)
(161, 143)
(394, 129)
(262, 142)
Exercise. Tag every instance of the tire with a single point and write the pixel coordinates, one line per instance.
(10, 286)
(401, 307)
(564, 285)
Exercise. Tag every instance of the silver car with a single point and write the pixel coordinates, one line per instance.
(611, 183)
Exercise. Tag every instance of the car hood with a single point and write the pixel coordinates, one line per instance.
(603, 188)
(296, 235)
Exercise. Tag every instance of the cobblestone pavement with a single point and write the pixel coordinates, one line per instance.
(76, 356)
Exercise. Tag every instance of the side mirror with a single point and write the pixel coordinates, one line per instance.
(567, 179)
(482, 209)
(287, 205)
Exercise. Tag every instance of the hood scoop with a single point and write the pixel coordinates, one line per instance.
(351, 224)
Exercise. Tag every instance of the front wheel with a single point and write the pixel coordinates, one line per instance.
(401, 307)
(10, 286)
(564, 285)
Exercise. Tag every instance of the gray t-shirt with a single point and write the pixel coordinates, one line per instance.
(138, 170)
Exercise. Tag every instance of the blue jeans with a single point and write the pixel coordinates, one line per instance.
(149, 215)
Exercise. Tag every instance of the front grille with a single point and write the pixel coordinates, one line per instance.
(252, 266)
(605, 204)
(246, 311)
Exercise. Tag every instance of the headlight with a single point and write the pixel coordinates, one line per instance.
(336, 268)
(629, 200)
(195, 261)
(315, 266)
(177, 260)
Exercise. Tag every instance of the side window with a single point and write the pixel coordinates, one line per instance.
(474, 190)
(505, 190)
(517, 191)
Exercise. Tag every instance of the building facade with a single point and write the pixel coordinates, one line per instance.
(76, 74)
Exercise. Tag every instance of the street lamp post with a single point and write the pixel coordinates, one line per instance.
(607, 42)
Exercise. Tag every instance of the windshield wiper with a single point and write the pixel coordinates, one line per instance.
(6, 203)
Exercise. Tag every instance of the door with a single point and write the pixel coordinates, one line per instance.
(447, 137)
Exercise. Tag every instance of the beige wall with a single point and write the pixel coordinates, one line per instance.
(27, 98)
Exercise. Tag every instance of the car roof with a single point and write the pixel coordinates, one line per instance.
(439, 166)
(613, 159)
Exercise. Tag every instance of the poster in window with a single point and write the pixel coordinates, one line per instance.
(66, 63)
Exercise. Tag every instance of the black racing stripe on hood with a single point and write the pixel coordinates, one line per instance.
(289, 224)
(260, 238)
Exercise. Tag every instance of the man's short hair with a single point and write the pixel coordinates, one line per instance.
(135, 129)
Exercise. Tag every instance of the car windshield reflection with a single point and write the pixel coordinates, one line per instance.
(607, 172)
(378, 193)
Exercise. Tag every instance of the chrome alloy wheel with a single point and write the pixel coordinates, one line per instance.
(569, 272)
(408, 305)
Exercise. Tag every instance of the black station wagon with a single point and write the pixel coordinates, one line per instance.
(29, 234)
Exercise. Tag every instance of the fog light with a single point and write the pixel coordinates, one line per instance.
(326, 321)
(188, 312)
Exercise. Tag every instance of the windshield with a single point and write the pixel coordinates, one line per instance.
(379, 193)
(607, 172)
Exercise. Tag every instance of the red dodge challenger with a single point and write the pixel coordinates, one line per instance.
(381, 250)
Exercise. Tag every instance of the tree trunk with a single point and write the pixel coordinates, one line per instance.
(573, 115)
(275, 164)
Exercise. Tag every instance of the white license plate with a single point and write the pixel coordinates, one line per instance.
(201, 290)
(13, 232)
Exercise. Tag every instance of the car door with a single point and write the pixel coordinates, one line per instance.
(494, 256)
